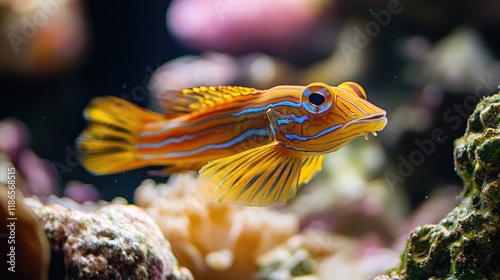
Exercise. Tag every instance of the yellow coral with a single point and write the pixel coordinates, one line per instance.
(215, 241)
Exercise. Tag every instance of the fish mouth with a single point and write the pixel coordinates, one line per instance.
(371, 123)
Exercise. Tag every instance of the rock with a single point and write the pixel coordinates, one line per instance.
(113, 242)
(465, 244)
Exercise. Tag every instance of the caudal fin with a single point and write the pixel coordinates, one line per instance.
(107, 145)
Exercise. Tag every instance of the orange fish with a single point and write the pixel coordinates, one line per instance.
(252, 147)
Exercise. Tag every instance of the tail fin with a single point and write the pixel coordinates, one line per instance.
(107, 145)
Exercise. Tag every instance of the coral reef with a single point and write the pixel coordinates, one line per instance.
(114, 242)
(25, 235)
(346, 257)
(464, 245)
(215, 241)
(34, 176)
(291, 260)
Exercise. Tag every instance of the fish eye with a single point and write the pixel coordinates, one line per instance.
(317, 98)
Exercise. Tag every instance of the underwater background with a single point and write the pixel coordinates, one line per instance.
(427, 64)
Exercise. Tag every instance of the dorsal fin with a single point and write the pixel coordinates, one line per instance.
(180, 102)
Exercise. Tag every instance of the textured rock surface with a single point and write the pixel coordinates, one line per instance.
(466, 243)
(114, 242)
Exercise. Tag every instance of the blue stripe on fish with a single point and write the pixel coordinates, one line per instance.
(242, 137)
(176, 140)
(173, 140)
(294, 119)
(304, 138)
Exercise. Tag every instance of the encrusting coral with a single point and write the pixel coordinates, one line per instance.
(290, 260)
(113, 242)
(465, 244)
(215, 241)
(25, 235)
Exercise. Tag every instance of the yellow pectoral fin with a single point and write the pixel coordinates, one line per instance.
(310, 167)
(262, 176)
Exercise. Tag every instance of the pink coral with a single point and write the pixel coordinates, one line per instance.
(35, 175)
(236, 26)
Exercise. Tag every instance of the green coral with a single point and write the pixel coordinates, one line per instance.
(288, 261)
(466, 243)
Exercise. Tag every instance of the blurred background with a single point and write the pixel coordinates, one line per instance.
(426, 63)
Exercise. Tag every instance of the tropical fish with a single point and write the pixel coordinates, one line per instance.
(251, 147)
